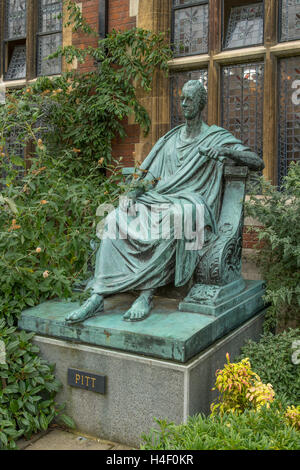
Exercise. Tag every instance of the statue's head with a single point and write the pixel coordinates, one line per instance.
(193, 98)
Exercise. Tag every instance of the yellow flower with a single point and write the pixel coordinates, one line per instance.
(14, 225)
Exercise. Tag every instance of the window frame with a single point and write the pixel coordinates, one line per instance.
(183, 7)
(279, 24)
(39, 34)
(31, 42)
(224, 30)
(270, 52)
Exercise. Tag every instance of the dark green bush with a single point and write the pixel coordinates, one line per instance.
(251, 430)
(27, 389)
(48, 212)
(278, 253)
(271, 359)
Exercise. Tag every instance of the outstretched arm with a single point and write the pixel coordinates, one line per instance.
(241, 157)
(244, 158)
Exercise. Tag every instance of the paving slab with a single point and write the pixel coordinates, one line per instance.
(58, 439)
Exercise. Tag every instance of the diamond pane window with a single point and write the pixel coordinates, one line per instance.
(289, 114)
(177, 80)
(17, 64)
(242, 103)
(50, 16)
(245, 26)
(289, 20)
(190, 27)
(15, 19)
(49, 36)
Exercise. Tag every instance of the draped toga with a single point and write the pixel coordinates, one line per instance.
(187, 178)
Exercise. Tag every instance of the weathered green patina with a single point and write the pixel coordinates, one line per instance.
(184, 169)
(167, 333)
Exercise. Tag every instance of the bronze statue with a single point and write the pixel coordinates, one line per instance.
(185, 165)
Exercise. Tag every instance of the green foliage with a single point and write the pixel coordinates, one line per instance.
(278, 254)
(271, 359)
(267, 429)
(86, 111)
(240, 388)
(293, 416)
(48, 217)
(47, 221)
(27, 389)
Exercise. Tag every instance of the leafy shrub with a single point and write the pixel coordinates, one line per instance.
(27, 389)
(271, 359)
(278, 253)
(240, 388)
(293, 416)
(47, 221)
(246, 418)
(48, 209)
(251, 430)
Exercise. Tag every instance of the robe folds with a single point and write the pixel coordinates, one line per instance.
(135, 260)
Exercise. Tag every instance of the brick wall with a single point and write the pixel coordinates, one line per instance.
(90, 12)
(118, 15)
(119, 19)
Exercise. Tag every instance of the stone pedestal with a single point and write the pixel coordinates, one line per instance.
(166, 334)
(139, 388)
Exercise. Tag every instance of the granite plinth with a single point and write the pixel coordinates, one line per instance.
(167, 333)
(139, 388)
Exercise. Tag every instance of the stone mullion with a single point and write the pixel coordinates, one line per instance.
(31, 39)
(270, 93)
(215, 36)
(154, 15)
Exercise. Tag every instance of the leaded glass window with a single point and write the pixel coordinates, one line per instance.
(17, 64)
(242, 103)
(245, 26)
(177, 80)
(15, 19)
(190, 27)
(289, 114)
(15, 13)
(49, 36)
(289, 20)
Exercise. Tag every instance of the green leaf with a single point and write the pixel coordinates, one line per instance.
(67, 421)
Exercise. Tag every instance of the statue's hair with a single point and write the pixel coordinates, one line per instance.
(199, 90)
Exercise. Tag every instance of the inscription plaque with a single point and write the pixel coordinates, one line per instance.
(86, 380)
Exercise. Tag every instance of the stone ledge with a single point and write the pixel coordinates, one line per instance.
(167, 333)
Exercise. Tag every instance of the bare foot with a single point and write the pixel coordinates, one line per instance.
(140, 309)
(89, 308)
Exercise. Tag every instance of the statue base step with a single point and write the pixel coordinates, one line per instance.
(167, 333)
(216, 300)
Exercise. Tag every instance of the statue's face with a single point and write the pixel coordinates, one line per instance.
(190, 102)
